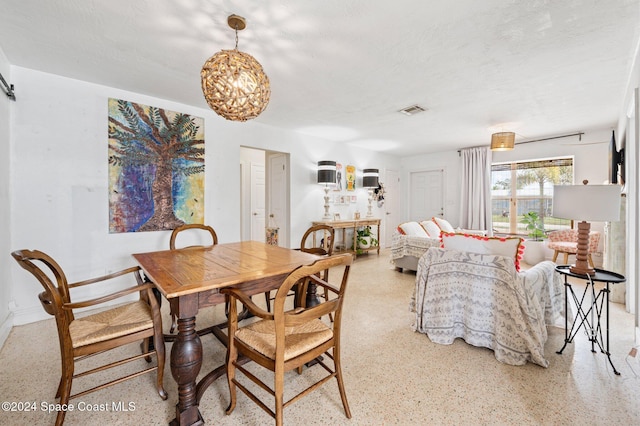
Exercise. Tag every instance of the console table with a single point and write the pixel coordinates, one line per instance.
(355, 224)
(590, 315)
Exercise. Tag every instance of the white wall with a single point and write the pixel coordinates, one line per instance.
(59, 179)
(5, 201)
(629, 125)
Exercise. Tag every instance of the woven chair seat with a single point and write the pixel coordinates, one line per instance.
(288, 339)
(120, 321)
(261, 336)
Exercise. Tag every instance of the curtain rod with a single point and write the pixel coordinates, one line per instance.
(7, 89)
(578, 134)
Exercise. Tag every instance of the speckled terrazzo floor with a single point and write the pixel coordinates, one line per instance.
(393, 376)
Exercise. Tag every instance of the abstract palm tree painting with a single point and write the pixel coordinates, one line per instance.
(156, 168)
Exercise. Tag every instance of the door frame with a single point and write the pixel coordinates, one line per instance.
(245, 206)
(283, 223)
(389, 227)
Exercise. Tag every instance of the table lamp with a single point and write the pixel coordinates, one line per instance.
(370, 181)
(594, 203)
(326, 176)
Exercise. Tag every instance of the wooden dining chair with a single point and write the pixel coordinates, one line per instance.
(287, 339)
(193, 235)
(190, 235)
(83, 336)
(318, 240)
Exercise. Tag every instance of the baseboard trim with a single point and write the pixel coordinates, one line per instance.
(29, 314)
(5, 328)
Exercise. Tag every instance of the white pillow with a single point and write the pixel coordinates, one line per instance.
(432, 229)
(503, 246)
(412, 229)
(443, 224)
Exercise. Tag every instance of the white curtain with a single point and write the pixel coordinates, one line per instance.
(475, 201)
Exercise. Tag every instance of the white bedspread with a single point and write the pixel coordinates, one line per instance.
(483, 300)
(406, 245)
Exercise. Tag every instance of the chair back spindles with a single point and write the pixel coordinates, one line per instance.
(288, 339)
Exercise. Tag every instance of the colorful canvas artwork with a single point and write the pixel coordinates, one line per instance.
(156, 168)
(351, 178)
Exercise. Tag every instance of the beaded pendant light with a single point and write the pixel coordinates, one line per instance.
(234, 83)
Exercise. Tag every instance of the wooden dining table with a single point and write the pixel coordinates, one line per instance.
(190, 279)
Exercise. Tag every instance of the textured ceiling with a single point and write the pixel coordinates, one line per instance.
(342, 69)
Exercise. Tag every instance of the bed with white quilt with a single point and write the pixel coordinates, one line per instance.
(411, 239)
(482, 299)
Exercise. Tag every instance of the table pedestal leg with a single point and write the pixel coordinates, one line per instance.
(186, 360)
(312, 298)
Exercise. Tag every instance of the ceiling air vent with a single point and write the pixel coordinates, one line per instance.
(412, 110)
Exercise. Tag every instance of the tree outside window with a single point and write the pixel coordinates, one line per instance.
(522, 187)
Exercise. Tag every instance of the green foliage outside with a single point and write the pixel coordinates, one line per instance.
(535, 225)
(536, 201)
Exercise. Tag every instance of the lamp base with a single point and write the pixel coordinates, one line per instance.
(327, 215)
(582, 266)
(369, 211)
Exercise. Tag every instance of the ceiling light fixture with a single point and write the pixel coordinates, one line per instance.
(234, 83)
(502, 141)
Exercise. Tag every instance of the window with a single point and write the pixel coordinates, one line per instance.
(532, 191)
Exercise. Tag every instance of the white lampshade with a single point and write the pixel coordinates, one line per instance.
(594, 203)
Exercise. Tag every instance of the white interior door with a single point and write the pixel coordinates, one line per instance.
(391, 204)
(278, 196)
(257, 202)
(426, 195)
